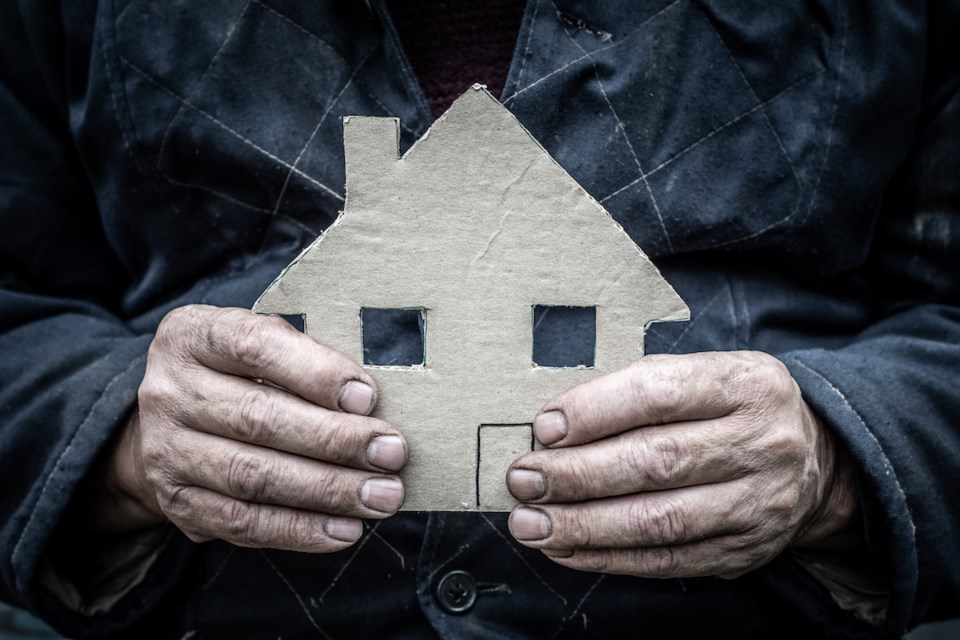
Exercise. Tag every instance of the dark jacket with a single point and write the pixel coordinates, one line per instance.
(792, 169)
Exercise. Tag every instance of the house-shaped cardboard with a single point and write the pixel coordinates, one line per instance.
(475, 228)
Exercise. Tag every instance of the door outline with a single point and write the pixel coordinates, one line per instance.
(533, 440)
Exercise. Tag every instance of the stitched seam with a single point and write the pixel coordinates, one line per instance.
(196, 85)
(316, 37)
(353, 556)
(240, 203)
(439, 534)
(690, 324)
(114, 99)
(128, 147)
(706, 137)
(566, 619)
(231, 131)
(526, 50)
(826, 153)
(200, 187)
(587, 55)
(435, 542)
(313, 134)
(736, 65)
(237, 202)
(391, 45)
(505, 541)
(440, 566)
(63, 454)
(833, 115)
(886, 460)
(219, 570)
(403, 561)
(299, 26)
(888, 467)
(623, 132)
(296, 595)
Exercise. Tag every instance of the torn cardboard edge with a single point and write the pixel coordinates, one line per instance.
(476, 225)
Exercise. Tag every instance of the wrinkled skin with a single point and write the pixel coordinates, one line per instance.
(702, 464)
(249, 431)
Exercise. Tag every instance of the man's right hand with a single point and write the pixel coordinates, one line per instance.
(249, 431)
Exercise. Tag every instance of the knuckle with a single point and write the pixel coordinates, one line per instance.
(173, 500)
(663, 562)
(570, 477)
(336, 494)
(290, 529)
(251, 343)
(599, 561)
(257, 413)
(341, 436)
(154, 456)
(572, 528)
(176, 334)
(168, 326)
(180, 504)
(240, 523)
(176, 322)
(786, 447)
(765, 380)
(656, 466)
(781, 387)
(781, 506)
(248, 476)
(155, 391)
(658, 391)
(659, 522)
(745, 521)
(296, 532)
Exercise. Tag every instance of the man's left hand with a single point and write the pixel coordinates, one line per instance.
(678, 466)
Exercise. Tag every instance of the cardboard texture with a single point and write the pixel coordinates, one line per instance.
(497, 446)
(476, 225)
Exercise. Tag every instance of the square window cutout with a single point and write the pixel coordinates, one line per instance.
(564, 336)
(297, 321)
(393, 337)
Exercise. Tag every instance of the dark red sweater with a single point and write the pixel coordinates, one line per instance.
(452, 44)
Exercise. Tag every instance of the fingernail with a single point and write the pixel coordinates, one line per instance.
(550, 427)
(557, 553)
(344, 529)
(529, 524)
(525, 484)
(387, 452)
(356, 397)
(382, 494)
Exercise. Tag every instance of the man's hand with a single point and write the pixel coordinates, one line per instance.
(250, 432)
(705, 464)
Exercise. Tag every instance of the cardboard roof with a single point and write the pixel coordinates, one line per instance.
(475, 224)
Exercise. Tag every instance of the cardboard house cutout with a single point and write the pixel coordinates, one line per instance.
(474, 228)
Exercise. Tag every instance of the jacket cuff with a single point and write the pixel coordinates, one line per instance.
(120, 374)
(91, 573)
(888, 523)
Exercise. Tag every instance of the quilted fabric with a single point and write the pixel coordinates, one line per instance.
(790, 167)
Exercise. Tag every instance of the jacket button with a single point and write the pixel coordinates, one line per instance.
(457, 592)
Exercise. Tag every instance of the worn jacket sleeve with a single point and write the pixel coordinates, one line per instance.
(893, 393)
(69, 364)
